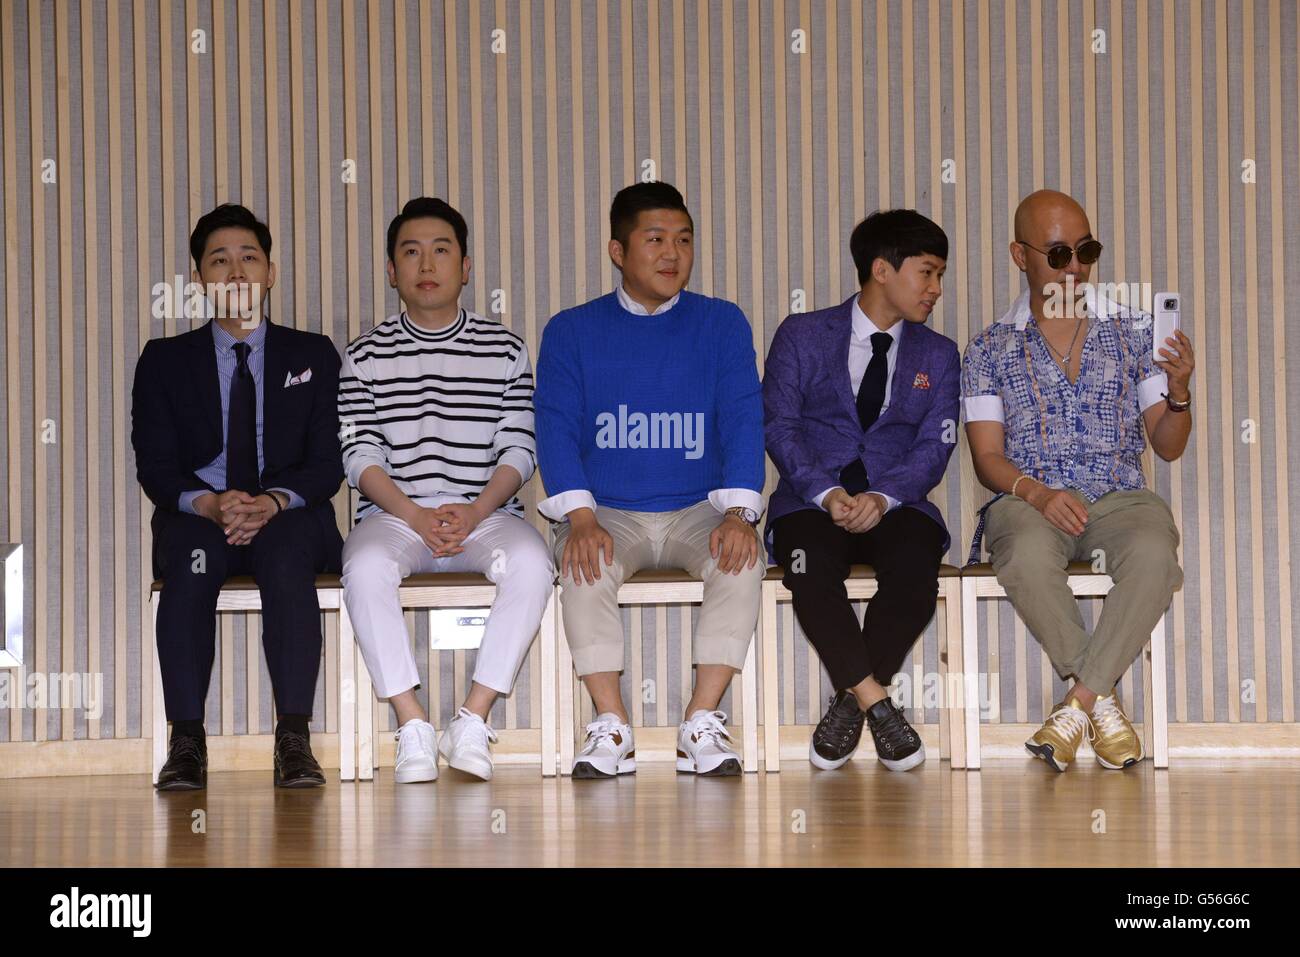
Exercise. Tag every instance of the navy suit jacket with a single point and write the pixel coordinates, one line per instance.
(811, 415)
(177, 428)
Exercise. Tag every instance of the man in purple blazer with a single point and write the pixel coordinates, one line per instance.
(861, 406)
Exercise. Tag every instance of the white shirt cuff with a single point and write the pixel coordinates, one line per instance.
(891, 503)
(557, 507)
(186, 503)
(725, 498)
(1152, 390)
(983, 408)
(820, 500)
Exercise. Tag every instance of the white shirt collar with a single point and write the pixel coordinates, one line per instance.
(864, 328)
(634, 307)
(1097, 306)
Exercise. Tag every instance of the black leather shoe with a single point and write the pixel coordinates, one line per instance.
(838, 732)
(295, 766)
(898, 746)
(187, 764)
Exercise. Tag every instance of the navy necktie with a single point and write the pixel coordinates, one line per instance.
(241, 430)
(871, 396)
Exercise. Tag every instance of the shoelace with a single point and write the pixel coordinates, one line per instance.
(710, 726)
(598, 733)
(409, 728)
(1071, 721)
(839, 722)
(185, 747)
(1107, 716)
(293, 743)
(465, 713)
(894, 727)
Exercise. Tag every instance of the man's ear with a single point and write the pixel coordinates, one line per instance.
(881, 271)
(270, 276)
(195, 277)
(1018, 255)
(616, 253)
(392, 273)
(465, 266)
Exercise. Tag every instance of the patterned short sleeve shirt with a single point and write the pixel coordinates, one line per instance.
(1087, 435)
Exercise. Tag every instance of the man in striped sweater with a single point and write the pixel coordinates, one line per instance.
(436, 412)
(650, 426)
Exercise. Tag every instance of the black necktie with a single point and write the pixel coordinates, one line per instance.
(871, 396)
(241, 433)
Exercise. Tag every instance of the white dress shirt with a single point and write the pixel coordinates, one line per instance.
(558, 507)
(860, 350)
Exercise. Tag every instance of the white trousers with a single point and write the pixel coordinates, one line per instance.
(381, 550)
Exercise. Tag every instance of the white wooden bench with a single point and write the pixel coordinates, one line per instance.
(357, 737)
(660, 587)
(861, 586)
(240, 594)
(979, 581)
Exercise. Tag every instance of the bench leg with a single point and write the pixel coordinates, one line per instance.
(158, 749)
(970, 671)
(564, 683)
(347, 696)
(771, 680)
(953, 709)
(749, 704)
(365, 722)
(549, 638)
(1155, 703)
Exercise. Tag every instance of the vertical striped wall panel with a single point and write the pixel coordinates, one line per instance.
(783, 121)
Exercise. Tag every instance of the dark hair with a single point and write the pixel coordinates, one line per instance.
(894, 235)
(631, 201)
(225, 215)
(425, 207)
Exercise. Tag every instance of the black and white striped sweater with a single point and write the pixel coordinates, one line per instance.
(438, 411)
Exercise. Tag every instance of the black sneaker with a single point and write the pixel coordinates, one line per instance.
(838, 732)
(897, 744)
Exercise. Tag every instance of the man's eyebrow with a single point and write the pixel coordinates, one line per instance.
(435, 239)
(222, 249)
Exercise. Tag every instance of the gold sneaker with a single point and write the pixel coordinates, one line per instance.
(1061, 734)
(1115, 742)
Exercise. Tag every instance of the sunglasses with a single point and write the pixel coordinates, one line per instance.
(1059, 256)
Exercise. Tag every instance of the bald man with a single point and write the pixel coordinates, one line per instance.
(1056, 396)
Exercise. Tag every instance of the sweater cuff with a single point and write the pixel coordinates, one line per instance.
(520, 461)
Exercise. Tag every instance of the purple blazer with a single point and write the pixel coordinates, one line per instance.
(811, 415)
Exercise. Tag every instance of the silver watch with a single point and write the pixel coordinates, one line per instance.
(745, 514)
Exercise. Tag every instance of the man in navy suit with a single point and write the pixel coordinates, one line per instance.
(236, 437)
(861, 405)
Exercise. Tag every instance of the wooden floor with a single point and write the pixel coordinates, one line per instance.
(1200, 813)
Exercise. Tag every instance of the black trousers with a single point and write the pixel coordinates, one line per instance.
(192, 558)
(904, 548)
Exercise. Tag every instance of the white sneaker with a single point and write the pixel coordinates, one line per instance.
(702, 746)
(417, 753)
(464, 744)
(609, 749)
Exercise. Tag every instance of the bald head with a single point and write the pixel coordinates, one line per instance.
(1047, 216)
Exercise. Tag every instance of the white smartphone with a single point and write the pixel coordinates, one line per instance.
(1166, 321)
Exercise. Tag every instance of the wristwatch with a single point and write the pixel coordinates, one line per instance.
(1175, 405)
(746, 515)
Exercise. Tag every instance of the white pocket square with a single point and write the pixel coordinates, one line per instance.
(299, 379)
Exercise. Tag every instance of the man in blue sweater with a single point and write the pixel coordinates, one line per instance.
(650, 444)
